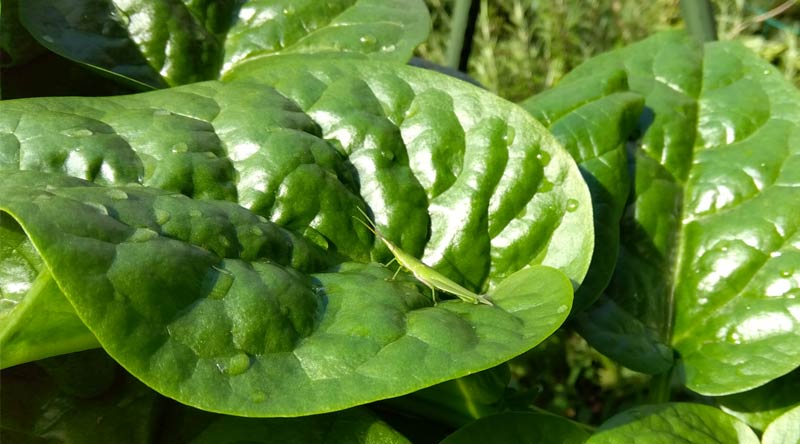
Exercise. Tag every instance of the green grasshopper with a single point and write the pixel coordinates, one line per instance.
(425, 274)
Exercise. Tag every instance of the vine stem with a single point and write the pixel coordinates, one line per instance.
(462, 28)
(699, 18)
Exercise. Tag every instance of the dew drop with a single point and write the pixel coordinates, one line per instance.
(510, 135)
(543, 157)
(162, 217)
(99, 207)
(388, 48)
(736, 338)
(288, 11)
(236, 365)
(142, 235)
(77, 132)
(258, 396)
(572, 205)
(223, 282)
(775, 254)
(546, 186)
(180, 147)
(786, 273)
(367, 40)
(117, 194)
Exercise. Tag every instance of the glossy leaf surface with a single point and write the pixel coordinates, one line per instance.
(710, 262)
(170, 286)
(784, 430)
(500, 192)
(160, 43)
(675, 422)
(593, 118)
(519, 427)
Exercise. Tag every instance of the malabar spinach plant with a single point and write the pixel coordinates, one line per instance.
(186, 264)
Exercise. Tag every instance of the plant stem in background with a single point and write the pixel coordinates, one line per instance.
(462, 28)
(699, 18)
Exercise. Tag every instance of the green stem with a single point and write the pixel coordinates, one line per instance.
(462, 26)
(661, 387)
(699, 18)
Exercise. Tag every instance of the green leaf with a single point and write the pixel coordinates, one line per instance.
(519, 202)
(157, 43)
(201, 300)
(710, 262)
(519, 427)
(56, 405)
(762, 405)
(500, 192)
(16, 44)
(502, 195)
(784, 430)
(593, 117)
(674, 422)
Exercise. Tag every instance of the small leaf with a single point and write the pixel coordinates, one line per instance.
(762, 405)
(675, 422)
(784, 430)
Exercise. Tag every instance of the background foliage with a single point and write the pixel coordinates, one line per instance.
(522, 47)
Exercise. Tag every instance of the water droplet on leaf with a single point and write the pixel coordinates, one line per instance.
(142, 235)
(162, 217)
(544, 158)
(77, 132)
(572, 205)
(367, 40)
(510, 135)
(237, 365)
(99, 207)
(117, 194)
(180, 147)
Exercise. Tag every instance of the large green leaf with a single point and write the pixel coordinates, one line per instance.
(710, 258)
(675, 422)
(171, 42)
(202, 301)
(593, 118)
(497, 194)
(500, 192)
(520, 428)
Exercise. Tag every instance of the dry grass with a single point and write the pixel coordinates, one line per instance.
(524, 46)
